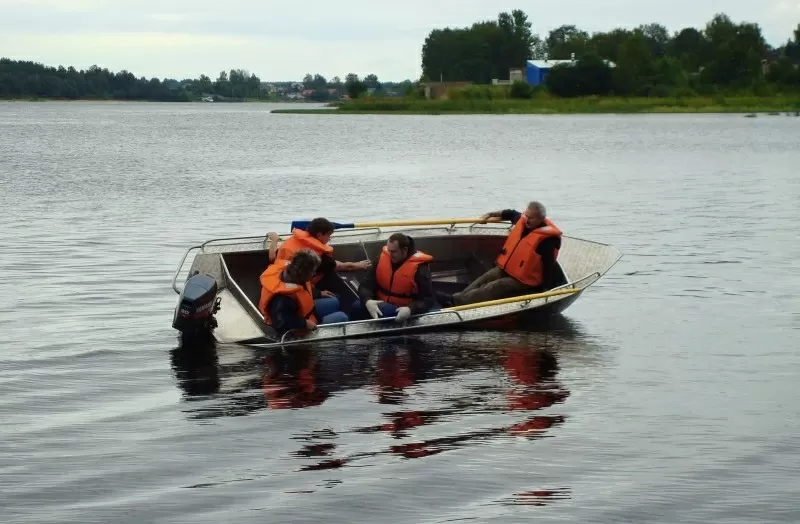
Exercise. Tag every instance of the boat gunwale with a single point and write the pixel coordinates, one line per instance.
(319, 334)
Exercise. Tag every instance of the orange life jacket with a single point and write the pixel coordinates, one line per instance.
(397, 287)
(519, 257)
(302, 239)
(271, 285)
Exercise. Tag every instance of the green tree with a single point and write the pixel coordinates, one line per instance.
(691, 48)
(567, 39)
(738, 50)
(481, 52)
(371, 81)
(589, 75)
(354, 86)
(607, 45)
(657, 37)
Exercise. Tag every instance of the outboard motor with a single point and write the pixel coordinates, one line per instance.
(194, 314)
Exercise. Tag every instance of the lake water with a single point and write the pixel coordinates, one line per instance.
(667, 393)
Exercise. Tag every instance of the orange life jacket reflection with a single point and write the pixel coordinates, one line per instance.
(283, 391)
(528, 368)
(398, 287)
(271, 285)
(395, 374)
(519, 258)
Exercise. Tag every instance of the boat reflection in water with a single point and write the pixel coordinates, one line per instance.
(455, 383)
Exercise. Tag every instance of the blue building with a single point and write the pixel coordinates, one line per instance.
(536, 70)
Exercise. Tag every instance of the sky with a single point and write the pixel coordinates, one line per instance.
(284, 40)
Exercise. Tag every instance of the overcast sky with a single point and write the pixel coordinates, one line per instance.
(283, 40)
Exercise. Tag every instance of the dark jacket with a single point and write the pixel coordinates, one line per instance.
(284, 313)
(422, 302)
(545, 249)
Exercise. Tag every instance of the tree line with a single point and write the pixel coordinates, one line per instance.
(20, 78)
(353, 86)
(28, 79)
(644, 61)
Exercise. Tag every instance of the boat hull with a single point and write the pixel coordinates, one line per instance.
(461, 254)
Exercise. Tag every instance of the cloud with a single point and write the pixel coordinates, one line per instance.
(285, 40)
(183, 55)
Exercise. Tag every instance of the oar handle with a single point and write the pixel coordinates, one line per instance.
(511, 300)
(428, 222)
(303, 224)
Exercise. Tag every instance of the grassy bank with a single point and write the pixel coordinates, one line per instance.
(553, 105)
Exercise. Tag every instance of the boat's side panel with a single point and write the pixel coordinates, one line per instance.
(208, 264)
(514, 320)
(580, 258)
(443, 320)
(235, 325)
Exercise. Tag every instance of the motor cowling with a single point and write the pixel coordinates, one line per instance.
(197, 304)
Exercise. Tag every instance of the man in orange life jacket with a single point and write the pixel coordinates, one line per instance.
(287, 297)
(316, 238)
(400, 284)
(526, 264)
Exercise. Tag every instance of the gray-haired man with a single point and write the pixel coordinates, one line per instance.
(526, 264)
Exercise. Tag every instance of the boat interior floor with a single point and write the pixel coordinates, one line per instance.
(458, 260)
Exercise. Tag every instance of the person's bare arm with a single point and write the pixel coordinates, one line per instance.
(353, 266)
(273, 245)
(503, 214)
(491, 214)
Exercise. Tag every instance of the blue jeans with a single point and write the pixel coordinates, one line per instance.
(328, 311)
(359, 312)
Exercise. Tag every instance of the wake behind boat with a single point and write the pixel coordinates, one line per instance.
(222, 288)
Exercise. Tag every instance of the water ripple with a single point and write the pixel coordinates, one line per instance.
(666, 394)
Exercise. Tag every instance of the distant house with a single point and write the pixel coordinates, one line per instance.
(536, 70)
(306, 92)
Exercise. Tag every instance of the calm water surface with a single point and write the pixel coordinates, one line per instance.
(668, 392)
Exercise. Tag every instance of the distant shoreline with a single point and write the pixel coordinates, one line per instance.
(586, 105)
(536, 106)
(197, 101)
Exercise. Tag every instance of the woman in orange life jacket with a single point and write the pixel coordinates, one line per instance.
(316, 238)
(526, 264)
(287, 297)
(399, 286)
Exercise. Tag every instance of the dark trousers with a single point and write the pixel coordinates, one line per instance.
(492, 285)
